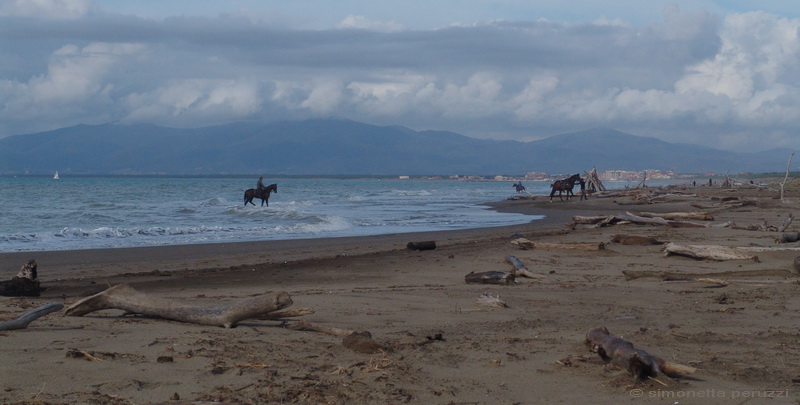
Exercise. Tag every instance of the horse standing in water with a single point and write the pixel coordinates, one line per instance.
(252, 193)
(519, 187)
(564, 185)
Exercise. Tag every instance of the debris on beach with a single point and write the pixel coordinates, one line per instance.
(490, 277)
(520, 269)
(24, 284)
(638, 362)
(526, 244)
(30, 316)
(126, 298)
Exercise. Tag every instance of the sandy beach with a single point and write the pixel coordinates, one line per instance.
(439, 345)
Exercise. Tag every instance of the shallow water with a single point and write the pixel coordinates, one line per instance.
(40, 213)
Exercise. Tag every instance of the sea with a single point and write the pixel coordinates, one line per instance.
(39, 213)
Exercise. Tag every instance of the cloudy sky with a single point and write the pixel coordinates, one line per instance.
(710, 72)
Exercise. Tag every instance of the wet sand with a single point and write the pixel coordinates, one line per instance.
(742, 337)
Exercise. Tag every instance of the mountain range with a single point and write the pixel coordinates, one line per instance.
(343, 147)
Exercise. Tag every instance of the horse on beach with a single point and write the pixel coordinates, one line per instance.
(519, 187)
(564, 185)
(252, 193)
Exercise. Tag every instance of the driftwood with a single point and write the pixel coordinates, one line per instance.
(124, 297)
(361, 342)
(24, 284)
(521, 270)
(526, 244)
(489, 277)
(700, 216)
(672, 276)
(30, 316)
(426, 245)
(635, 240)
(711, 252)
(637, 361)
(628, 218)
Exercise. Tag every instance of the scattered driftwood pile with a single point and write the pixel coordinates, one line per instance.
(499, 277)
(673, 219)
(638, 362)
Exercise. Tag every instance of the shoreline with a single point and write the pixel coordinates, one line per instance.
(62, 264)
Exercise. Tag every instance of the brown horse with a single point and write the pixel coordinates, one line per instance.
(252, 193)
(564, 185)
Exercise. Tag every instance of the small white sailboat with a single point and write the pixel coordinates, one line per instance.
(55, 176)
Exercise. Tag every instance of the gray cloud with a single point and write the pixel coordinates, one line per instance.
(695, 77)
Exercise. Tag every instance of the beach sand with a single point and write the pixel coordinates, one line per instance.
(744, 338)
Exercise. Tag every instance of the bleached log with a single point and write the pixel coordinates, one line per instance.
(25, 319)
(711, 252)
(700, 216)
(638, 362)
(526, 244)
(672, 276)
(489, 277)
(521, 270)
(125, 298)
(579, 219)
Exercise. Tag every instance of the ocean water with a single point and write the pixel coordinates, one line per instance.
(41, 213)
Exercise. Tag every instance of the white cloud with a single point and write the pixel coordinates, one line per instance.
(361, 22)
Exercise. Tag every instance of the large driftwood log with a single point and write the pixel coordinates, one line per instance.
(622, 353)
(671, 275)
(711, 252)
(526, 244)
(521, 270)
(700, 216)
(124, 297)
(30, 316)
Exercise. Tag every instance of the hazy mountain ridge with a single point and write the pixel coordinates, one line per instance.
(343, 147)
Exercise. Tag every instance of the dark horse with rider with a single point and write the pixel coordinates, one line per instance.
(261, 192)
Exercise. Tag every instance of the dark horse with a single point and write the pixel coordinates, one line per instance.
(519, 187)
(252, 193)
(564, 185)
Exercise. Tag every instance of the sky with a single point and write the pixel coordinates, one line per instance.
(722, 74)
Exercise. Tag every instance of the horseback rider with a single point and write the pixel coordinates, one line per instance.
(260, 186)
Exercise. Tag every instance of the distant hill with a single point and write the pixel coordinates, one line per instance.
(343, 147)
